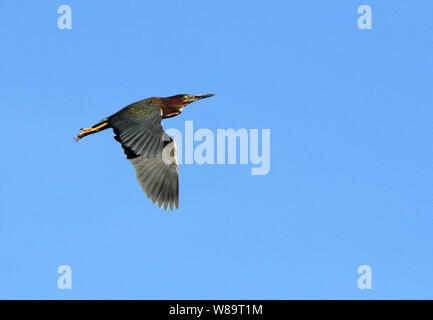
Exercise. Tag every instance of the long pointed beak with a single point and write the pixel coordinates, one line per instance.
(203, 96)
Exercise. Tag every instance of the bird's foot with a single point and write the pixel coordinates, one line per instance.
(86, 131)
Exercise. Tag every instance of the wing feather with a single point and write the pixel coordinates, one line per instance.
(138, 129)
(158, 179)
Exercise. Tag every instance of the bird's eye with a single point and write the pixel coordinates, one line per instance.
(185, 97)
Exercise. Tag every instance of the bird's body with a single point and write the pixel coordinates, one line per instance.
(137, 127)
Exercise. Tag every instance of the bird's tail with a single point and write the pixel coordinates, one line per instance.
(100, 126)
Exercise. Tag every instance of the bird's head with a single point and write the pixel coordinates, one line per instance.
(185, 99)
(172, 106)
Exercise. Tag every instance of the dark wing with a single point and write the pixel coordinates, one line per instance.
(151, 151)
(138, 127)
(159, 176)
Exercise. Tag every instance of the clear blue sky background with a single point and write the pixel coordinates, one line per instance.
(350, 113)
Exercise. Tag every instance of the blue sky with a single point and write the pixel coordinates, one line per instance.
(350, 184)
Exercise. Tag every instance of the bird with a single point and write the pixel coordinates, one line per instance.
(137, 127)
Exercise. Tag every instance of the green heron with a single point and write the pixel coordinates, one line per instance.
(137, 127)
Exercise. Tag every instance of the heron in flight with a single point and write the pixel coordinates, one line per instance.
(137, 127)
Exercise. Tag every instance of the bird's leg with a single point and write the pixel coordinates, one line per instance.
(87, 131)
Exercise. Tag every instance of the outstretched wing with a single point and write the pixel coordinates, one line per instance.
(159, 176)
(152, 152)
